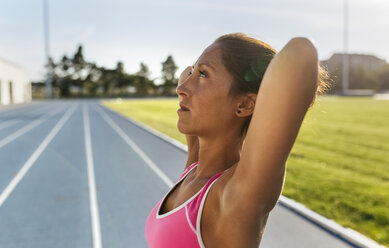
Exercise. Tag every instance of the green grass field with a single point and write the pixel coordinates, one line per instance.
(338, 167)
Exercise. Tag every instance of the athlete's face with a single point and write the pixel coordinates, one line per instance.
(203, 90)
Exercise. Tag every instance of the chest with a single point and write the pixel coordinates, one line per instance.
(183, 191)
(213, 222)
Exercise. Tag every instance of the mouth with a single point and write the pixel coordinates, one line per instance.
(183, 108)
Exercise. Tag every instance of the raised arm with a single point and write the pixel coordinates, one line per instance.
(192, 141)
(286, 91)
(193, 150)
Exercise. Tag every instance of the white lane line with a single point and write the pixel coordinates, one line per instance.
(16, 109)
(347, 233)
(40, 109)
(7, 123)
(22, 111)
(141, 154)
(94, 209)
(14, 182)
(25, 129)
(12, 121)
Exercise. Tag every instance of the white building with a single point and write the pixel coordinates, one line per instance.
(15, 86)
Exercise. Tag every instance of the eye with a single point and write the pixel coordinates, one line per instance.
(203, 74)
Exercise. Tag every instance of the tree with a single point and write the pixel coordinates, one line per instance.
(70, 72)
(119, 75)
(78, 64)
(169, 81)
(107, 79)
(52, 67)
(144, 86)
(75, 71)
(60, 75)
(143, 70)
(92, 80)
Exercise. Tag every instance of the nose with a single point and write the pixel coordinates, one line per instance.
(181, 88)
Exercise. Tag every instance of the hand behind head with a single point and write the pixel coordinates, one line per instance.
(184, 75)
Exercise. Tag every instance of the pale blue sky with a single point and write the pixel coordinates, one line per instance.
(150, 30)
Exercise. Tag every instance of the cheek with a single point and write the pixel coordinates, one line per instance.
(214, 104)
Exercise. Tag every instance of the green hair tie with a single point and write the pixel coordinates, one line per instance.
(257, 70)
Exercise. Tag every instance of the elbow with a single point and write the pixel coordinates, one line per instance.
(306, 57)
(304, 48)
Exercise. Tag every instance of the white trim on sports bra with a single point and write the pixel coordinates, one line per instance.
(198, 231)
(158, 216)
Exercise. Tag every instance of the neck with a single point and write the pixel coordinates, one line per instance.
(217, 154)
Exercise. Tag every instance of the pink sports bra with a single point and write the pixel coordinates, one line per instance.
(180, 227)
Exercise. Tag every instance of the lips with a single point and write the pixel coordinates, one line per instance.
(183, 107)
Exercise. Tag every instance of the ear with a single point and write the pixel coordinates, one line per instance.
(246, 105)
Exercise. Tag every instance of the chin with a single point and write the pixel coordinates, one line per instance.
(183, 129)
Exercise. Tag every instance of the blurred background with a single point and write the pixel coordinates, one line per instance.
(126, 56)
(125, 48)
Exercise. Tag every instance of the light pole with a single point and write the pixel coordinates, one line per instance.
(345, 74)
(47, 50)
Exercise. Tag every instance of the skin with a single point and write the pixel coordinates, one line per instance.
(205, 92)
(239, 202)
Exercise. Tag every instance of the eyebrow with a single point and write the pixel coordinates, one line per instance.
(205, 64)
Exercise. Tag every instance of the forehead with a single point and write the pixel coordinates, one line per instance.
(212, 55)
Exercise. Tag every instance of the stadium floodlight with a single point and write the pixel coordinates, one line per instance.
(47, 48)
(345, 74)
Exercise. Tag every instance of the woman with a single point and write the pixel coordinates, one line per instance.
(239, 138)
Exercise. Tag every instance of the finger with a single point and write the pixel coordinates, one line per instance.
(184, 74)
